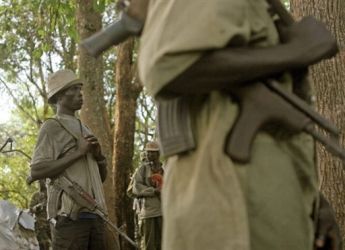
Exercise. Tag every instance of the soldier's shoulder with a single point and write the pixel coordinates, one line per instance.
(50, 125)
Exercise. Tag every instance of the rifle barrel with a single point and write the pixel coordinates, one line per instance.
(106, 219)
(299, 104)
(331, 145)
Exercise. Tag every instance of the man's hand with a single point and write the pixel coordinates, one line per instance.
(85, 145)
(327, 235)
(137, 9)
(95, 147)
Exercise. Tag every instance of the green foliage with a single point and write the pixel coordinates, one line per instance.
(14, 166)
(37, 38)
(145, 125)
(35, 41)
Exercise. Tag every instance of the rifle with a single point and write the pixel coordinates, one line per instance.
(276, 105)
(131, 23)
(85, 200)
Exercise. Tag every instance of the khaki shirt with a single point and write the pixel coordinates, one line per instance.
(167, 47)
(55, 142)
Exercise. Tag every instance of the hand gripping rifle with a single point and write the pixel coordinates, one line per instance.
(275, 105)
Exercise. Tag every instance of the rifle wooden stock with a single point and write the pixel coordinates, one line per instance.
(261, 104)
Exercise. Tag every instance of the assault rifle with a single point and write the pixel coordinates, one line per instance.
(260, 104)
(85, 200)
(131, 23)
(276, 105)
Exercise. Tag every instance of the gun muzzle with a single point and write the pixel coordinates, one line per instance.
(113, 34)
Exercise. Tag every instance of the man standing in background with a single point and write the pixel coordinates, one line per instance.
(147, 185)
(67, 150)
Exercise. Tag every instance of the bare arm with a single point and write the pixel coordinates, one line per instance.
(305, 43)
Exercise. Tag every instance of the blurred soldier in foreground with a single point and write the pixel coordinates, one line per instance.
(196, 53)
(147, 185)
(202, 60)
(38, 206)
(66, 150)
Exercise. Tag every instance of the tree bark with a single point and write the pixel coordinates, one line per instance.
(329, 80)
(93, 113)
(127, 92)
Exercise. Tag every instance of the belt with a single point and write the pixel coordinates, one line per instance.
(87, 215)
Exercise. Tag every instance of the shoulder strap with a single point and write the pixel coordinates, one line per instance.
(68, 131)
(64, 127)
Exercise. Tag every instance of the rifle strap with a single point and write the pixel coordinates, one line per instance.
(65, 128)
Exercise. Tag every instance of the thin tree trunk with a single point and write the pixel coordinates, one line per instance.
(93, 113)
(127, 92)
(329, 80)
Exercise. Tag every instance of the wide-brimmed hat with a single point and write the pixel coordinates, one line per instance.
(59, 81)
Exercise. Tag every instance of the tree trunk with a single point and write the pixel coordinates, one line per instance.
(329, 80)
(127, 92)
(93, 113)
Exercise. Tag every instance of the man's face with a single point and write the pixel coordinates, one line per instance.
(72, 98)
(152, 155)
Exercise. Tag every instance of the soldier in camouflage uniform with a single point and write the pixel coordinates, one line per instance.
(38, 206)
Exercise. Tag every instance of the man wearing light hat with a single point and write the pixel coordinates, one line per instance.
(65, 147)
(147, 184)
